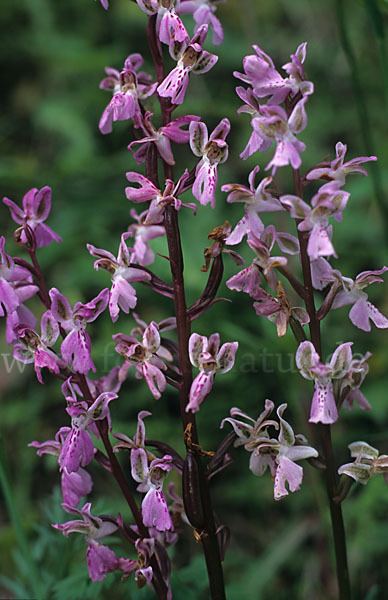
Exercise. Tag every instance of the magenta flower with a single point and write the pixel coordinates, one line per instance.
(22, 315)
(122, 294)
(209, 358)
(53, 447)
(329, 201)
(78, 448)
(100, 559)
(128, 88)
(76, 347)
(146, 356)
(74, 485)
(203, 13)
(36, 349)
(190, 57)
(150, 477)
(162, 137)
(338, 170)
(255, 201)
(36, 209)
(323, 407)
(149, 192)
(362, 311)
(142, 253)
(213, 151)
(149, 472)
(105, 4)
(169, 26)
(265, 80)
(10, 297)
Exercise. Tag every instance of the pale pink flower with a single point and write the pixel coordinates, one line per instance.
(209, 358)
(323, 407)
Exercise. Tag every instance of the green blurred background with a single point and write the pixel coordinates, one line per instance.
(53, 56)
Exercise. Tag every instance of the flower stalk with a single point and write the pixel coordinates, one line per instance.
(331, 478)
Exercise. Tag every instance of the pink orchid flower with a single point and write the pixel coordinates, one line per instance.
(36, 209)
(209, 358)
(323, 407)
(213, 151)
(191, 58)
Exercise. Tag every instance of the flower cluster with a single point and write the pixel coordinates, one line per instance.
(276, 104)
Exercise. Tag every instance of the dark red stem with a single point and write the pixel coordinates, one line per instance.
(330, 473)
(206, 525)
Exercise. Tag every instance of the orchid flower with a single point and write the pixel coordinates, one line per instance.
(255, 201)
(329, 201)
(261, 74)
(213, 151)
(142, 253)
(252, 108)
(149, 472)
(203, 13)
(78, 448)
(278, 310)
(254, 429)
(277, 454)
(149, 192)
(368, 463)
(209, 358)
(351, 383)
(323, 407)
(128, 87)
(21, 315)
(76, 347)
(36, 349)
(280, 456)
(143, 571)
(272, 123)
(338, 170)
(100, 559)
(362, 311)
(161, 138)
(12, 276)
(190, 57)
(36, 209)
(122, 294)
(169, 26)
(150, 477)
(248, 280)
(146, 356)
(75, 484)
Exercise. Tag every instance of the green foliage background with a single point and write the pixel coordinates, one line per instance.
(52, 57)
